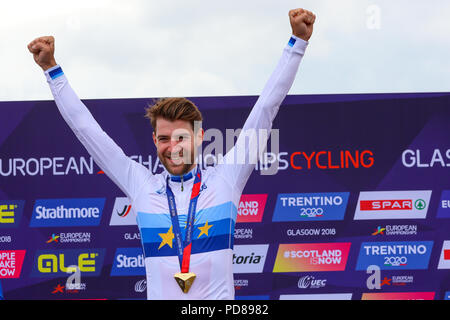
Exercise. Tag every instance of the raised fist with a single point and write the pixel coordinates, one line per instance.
(302, 22)
(43, 50)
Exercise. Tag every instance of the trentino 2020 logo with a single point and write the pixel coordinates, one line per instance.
(67, 212)
(311, 206)
(57, 263)
(407, 255)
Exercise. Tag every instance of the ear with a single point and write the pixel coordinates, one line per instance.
(154, 139)
(199, 137)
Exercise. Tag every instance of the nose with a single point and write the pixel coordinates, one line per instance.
(174, 146)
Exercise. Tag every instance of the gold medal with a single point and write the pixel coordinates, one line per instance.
(185, 280)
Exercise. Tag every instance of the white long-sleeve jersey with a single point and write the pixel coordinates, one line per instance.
(222, 185)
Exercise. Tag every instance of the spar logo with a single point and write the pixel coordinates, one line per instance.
(311, 206)
(249, 258)
(128, 262)
(122, 214)
(395, 255)
(444, 260)
(374, 205)
(67, 212)
(251, 208)
(59, 263)
(11, 262)
(305, 257)
(10, 213)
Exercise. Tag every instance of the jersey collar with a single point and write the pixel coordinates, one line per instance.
(185, 177)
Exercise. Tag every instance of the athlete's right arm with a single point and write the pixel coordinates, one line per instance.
(127, 174)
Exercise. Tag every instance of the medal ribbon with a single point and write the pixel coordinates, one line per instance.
(184, 249)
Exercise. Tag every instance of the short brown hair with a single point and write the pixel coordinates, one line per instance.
(173, 109)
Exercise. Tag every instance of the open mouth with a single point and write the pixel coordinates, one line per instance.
(175, 158)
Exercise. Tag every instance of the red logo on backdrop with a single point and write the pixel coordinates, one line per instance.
(386, 204)
(447, 254)
(11, 263)
(251, 207)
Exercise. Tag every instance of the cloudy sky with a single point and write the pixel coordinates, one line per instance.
(149, 48)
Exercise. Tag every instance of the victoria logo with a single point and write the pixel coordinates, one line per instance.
(249, 258)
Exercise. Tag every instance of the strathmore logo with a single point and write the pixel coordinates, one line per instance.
(251, 208)
(128, 262)
(249, 258)
(375, 205)
(67, 212)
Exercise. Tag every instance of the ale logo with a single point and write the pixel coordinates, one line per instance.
(10, 213)
(51, 263)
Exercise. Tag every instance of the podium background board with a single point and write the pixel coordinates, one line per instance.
(363, 180)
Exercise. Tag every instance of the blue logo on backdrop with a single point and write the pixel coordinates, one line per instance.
(128, 262)
(395, 255)
(444, 205)
(447, 295)
(67, 212)
(311, 206)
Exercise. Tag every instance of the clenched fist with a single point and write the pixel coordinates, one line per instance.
(302, 22)
(43, 50)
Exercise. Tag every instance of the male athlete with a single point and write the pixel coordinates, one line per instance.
(186, 215)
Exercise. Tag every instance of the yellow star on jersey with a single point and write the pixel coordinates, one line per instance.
(167, 238)
(204, 229)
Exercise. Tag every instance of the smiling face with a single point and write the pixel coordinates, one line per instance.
(176, 145)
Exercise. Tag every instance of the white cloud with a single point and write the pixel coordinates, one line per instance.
(143, 48)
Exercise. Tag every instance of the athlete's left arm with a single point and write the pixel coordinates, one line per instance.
(240, 161)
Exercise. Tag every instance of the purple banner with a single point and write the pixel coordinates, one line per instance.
(363, 180)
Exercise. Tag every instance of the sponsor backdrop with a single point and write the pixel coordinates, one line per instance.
(359, 207)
